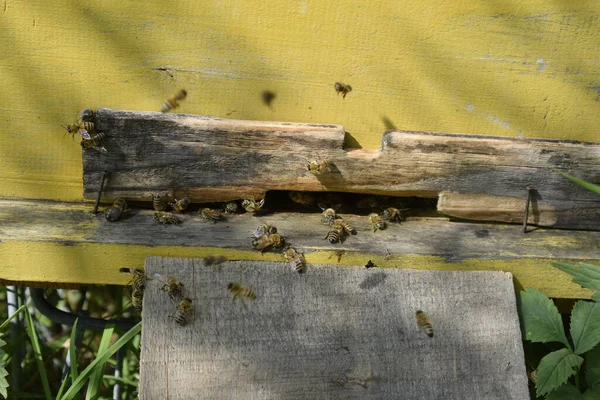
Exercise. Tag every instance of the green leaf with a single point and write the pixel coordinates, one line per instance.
(565, 392)
(73, 352)
(555, 369)
(585, 326)
(37, 353)
(100, 359)
(592, 367)
(586, 275)
(3, 371)
(588, 185)
(541, 320)
(591, 394)
(98, 373)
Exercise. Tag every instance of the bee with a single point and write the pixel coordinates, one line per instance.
(294, 258)
(214, 260)
(329, 215)
(94, 142)
(138, 281)
(268, 97)
(342, 88)
(209, 215)
(164, 217)
(370, 264)
(181, 204)
(84, 128)
(159, 203)
(173, 102)
(173, 287)
(231, 207)
(137, 299)
(349, 229)
(392, 214)
(184, 310)
(424, 323)
(238, 289)
(264, 229)
(335, 234)
(377, 222)
(318, 167)
(252, 205)
(274, 240)
(306, 199)
(114, 213)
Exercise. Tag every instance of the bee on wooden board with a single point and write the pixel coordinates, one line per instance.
(181, 204)
(392, 214)
(84, 128)
(138, 280)
(137, 299)
(424, 323)
(209, 215)
(159, 202)
(329, 214)
(377, 222)
(318, 167)
(163, 217)
(306, 199)
(172, 286)
(231, 207)
(183, 312)
(94, 142)
(173, 102)
(264, 242)
(237, 289)
(295, 259)
(264, 229)
(336, 233)
(252, 205)
(349, 229)
(342, 88)
(114, 213)
(214, 260)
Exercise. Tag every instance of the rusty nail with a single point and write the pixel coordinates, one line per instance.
(529, 190)
(103, 179)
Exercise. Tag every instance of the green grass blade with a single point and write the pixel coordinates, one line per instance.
(580, 182)
(100, 359)
(5, 323)
(98, 373)
(37, 352)
(122, 380)
(62, 388)
(73, 352)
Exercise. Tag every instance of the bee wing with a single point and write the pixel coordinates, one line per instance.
(84, 133)
(101, 149)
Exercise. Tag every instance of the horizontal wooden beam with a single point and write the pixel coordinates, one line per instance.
(214, 159)
(65, 243)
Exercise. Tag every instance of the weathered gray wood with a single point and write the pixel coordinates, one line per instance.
(304, 334)
(73, 223)
(214, 159)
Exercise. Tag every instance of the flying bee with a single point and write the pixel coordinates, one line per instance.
(173, 102)
(181, 204)
(306, 199)
(377, 222)
(172, 286)
(349, 229)
(329, 215)
(342, 88)
(114, 213)
(238, 289)
(370, 264)
(295, 259)
(424, 323)
(214, 260)
(392, 214)
(318, 167)
(163, 217)
(335, 234)
(209, 215)
(159, 203)
(274, 240)
(252, 205)
(94, 142)
(264, 229)
(268, 97)
(184, 310)
(231, 207)
(137, 299)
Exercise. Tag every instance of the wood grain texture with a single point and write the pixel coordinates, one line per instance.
(304, 334)
(213, 159)
(502, 68)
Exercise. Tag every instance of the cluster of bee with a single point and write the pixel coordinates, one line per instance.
(175, 291)
(338, 228)
(138, 284)
(266, 237)
(90, 138)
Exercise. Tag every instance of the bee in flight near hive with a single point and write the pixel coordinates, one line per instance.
(209, 215)
(329, 214)
(238, 289)
(264, 242)
(114, 213)
(181, 204)
(264, 229)
(336, 233)
(214, 260)
(424, 323)
(94, 142)
(306, 199)
(172, 286)
(377, 222)
(392, 214)
(163, 217)
(231, 207)
(342, 88)
(173, 102)
(348, 229)
(184, 310)
(252, 205)
(318, 167)
(159, 203)
(295, 259)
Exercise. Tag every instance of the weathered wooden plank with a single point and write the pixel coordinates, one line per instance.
(213, 159)
(328, 332)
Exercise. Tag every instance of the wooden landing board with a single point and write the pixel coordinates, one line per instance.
(334, 332)
(214, 159)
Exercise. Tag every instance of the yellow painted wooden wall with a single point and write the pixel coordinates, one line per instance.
(510, 68)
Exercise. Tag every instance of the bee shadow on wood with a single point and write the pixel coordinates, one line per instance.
(372, 281)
